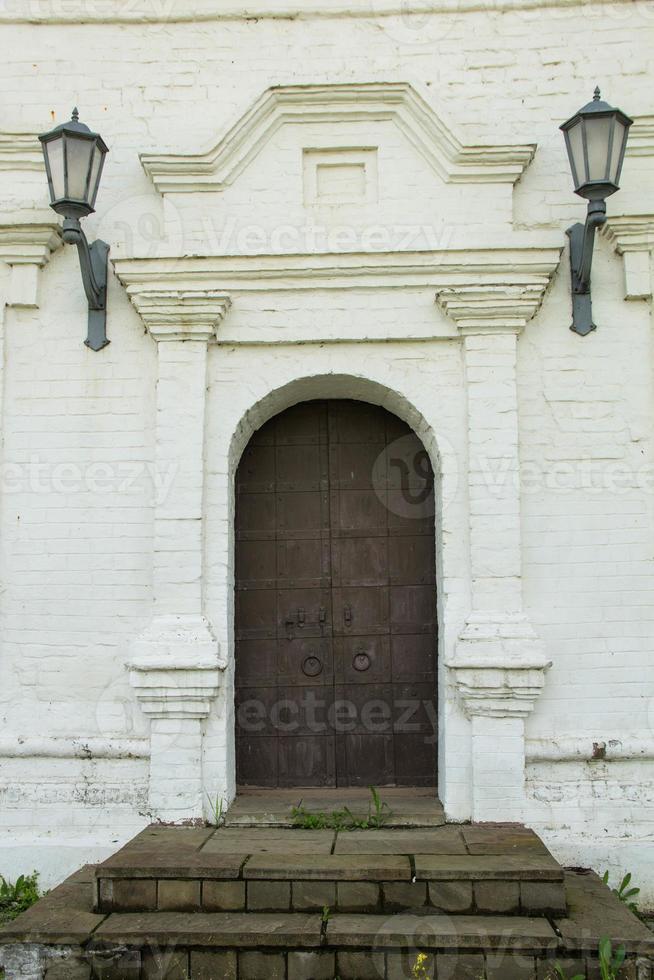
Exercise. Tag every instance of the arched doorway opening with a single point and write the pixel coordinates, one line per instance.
(335, 613)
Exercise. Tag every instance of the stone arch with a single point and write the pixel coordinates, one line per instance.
(337, 385)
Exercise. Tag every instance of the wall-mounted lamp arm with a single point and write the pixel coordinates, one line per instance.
(93, 265)
(582, 241)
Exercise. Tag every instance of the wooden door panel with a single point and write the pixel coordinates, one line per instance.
(335, 601)
(256, 761)
(362, 659)
(306, 761)
(304, 660)
(365, 759)
(302, 564)
(411, 560)
(256, 517)
(357, 511)
(360, 561)
(362, 611)
(412, 608)
(413, 657)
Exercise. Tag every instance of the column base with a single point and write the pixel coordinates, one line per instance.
(499, 671)
(175, 670)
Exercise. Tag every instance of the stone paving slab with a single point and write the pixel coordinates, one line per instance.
(501, 839)
(261, 840)
(594, 911)
(439, 840)
(63, 917)
(477, 867)
(219, 929)
(335, 867)
(169, 863)
(441, 932)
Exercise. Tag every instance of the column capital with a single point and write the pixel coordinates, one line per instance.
(499, 665)
(181, 314)
(175, 667)
(632, 236)
(27, 239)
(493, 307)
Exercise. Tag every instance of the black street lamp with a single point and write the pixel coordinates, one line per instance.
(595, 138)
(74, 157)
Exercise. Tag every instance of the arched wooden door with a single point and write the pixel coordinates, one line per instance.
(335, 601)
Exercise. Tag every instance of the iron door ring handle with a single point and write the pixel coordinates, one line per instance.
(312, 666)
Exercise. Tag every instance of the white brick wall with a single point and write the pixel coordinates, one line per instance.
(78, 451)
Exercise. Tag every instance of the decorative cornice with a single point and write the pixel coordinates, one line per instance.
(641, 137)
(531, 262)
(28, 239)
(630, 232)
(632, 236)
(20, 151)
(394, 101)
(143, 12)
(189, 314)
(487, 308)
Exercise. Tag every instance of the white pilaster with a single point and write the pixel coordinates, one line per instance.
(175, 666)
(498, 664)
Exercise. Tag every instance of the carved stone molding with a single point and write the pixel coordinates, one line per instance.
(641, 137)
(20, 151)
(506, 274)
(175, 667)
(171, 314)
(397, 102)
(632, 236)
(485, 308)
(499, 666)
(144, 12)
(26, 243)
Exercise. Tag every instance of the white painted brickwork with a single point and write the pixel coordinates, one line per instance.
(116, 505)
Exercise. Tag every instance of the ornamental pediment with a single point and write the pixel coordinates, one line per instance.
(350, 167)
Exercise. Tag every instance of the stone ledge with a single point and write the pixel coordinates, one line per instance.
(219, 929)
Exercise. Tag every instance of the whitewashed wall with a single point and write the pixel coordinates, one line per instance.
(78, 429)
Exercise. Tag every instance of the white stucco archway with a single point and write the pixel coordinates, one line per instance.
(228, 433)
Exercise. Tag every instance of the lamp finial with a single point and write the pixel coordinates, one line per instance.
(75, 115)
(596, 94)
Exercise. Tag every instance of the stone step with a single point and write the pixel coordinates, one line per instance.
(405, 806)
(71, 942)
(452, 869)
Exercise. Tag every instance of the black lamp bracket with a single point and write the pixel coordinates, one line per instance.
(93, 264)
(582, 241)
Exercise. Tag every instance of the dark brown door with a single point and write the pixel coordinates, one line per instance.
(335, 601)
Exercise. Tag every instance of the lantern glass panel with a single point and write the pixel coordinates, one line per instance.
(55, 151)
(94, 181)
(575, 138)
(598, 133)
(78, 162)
(619, 137)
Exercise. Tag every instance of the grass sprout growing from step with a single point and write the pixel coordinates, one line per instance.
(379, 814)
(19, 896)
(610, 962)
(624, 892)
(217, 816)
